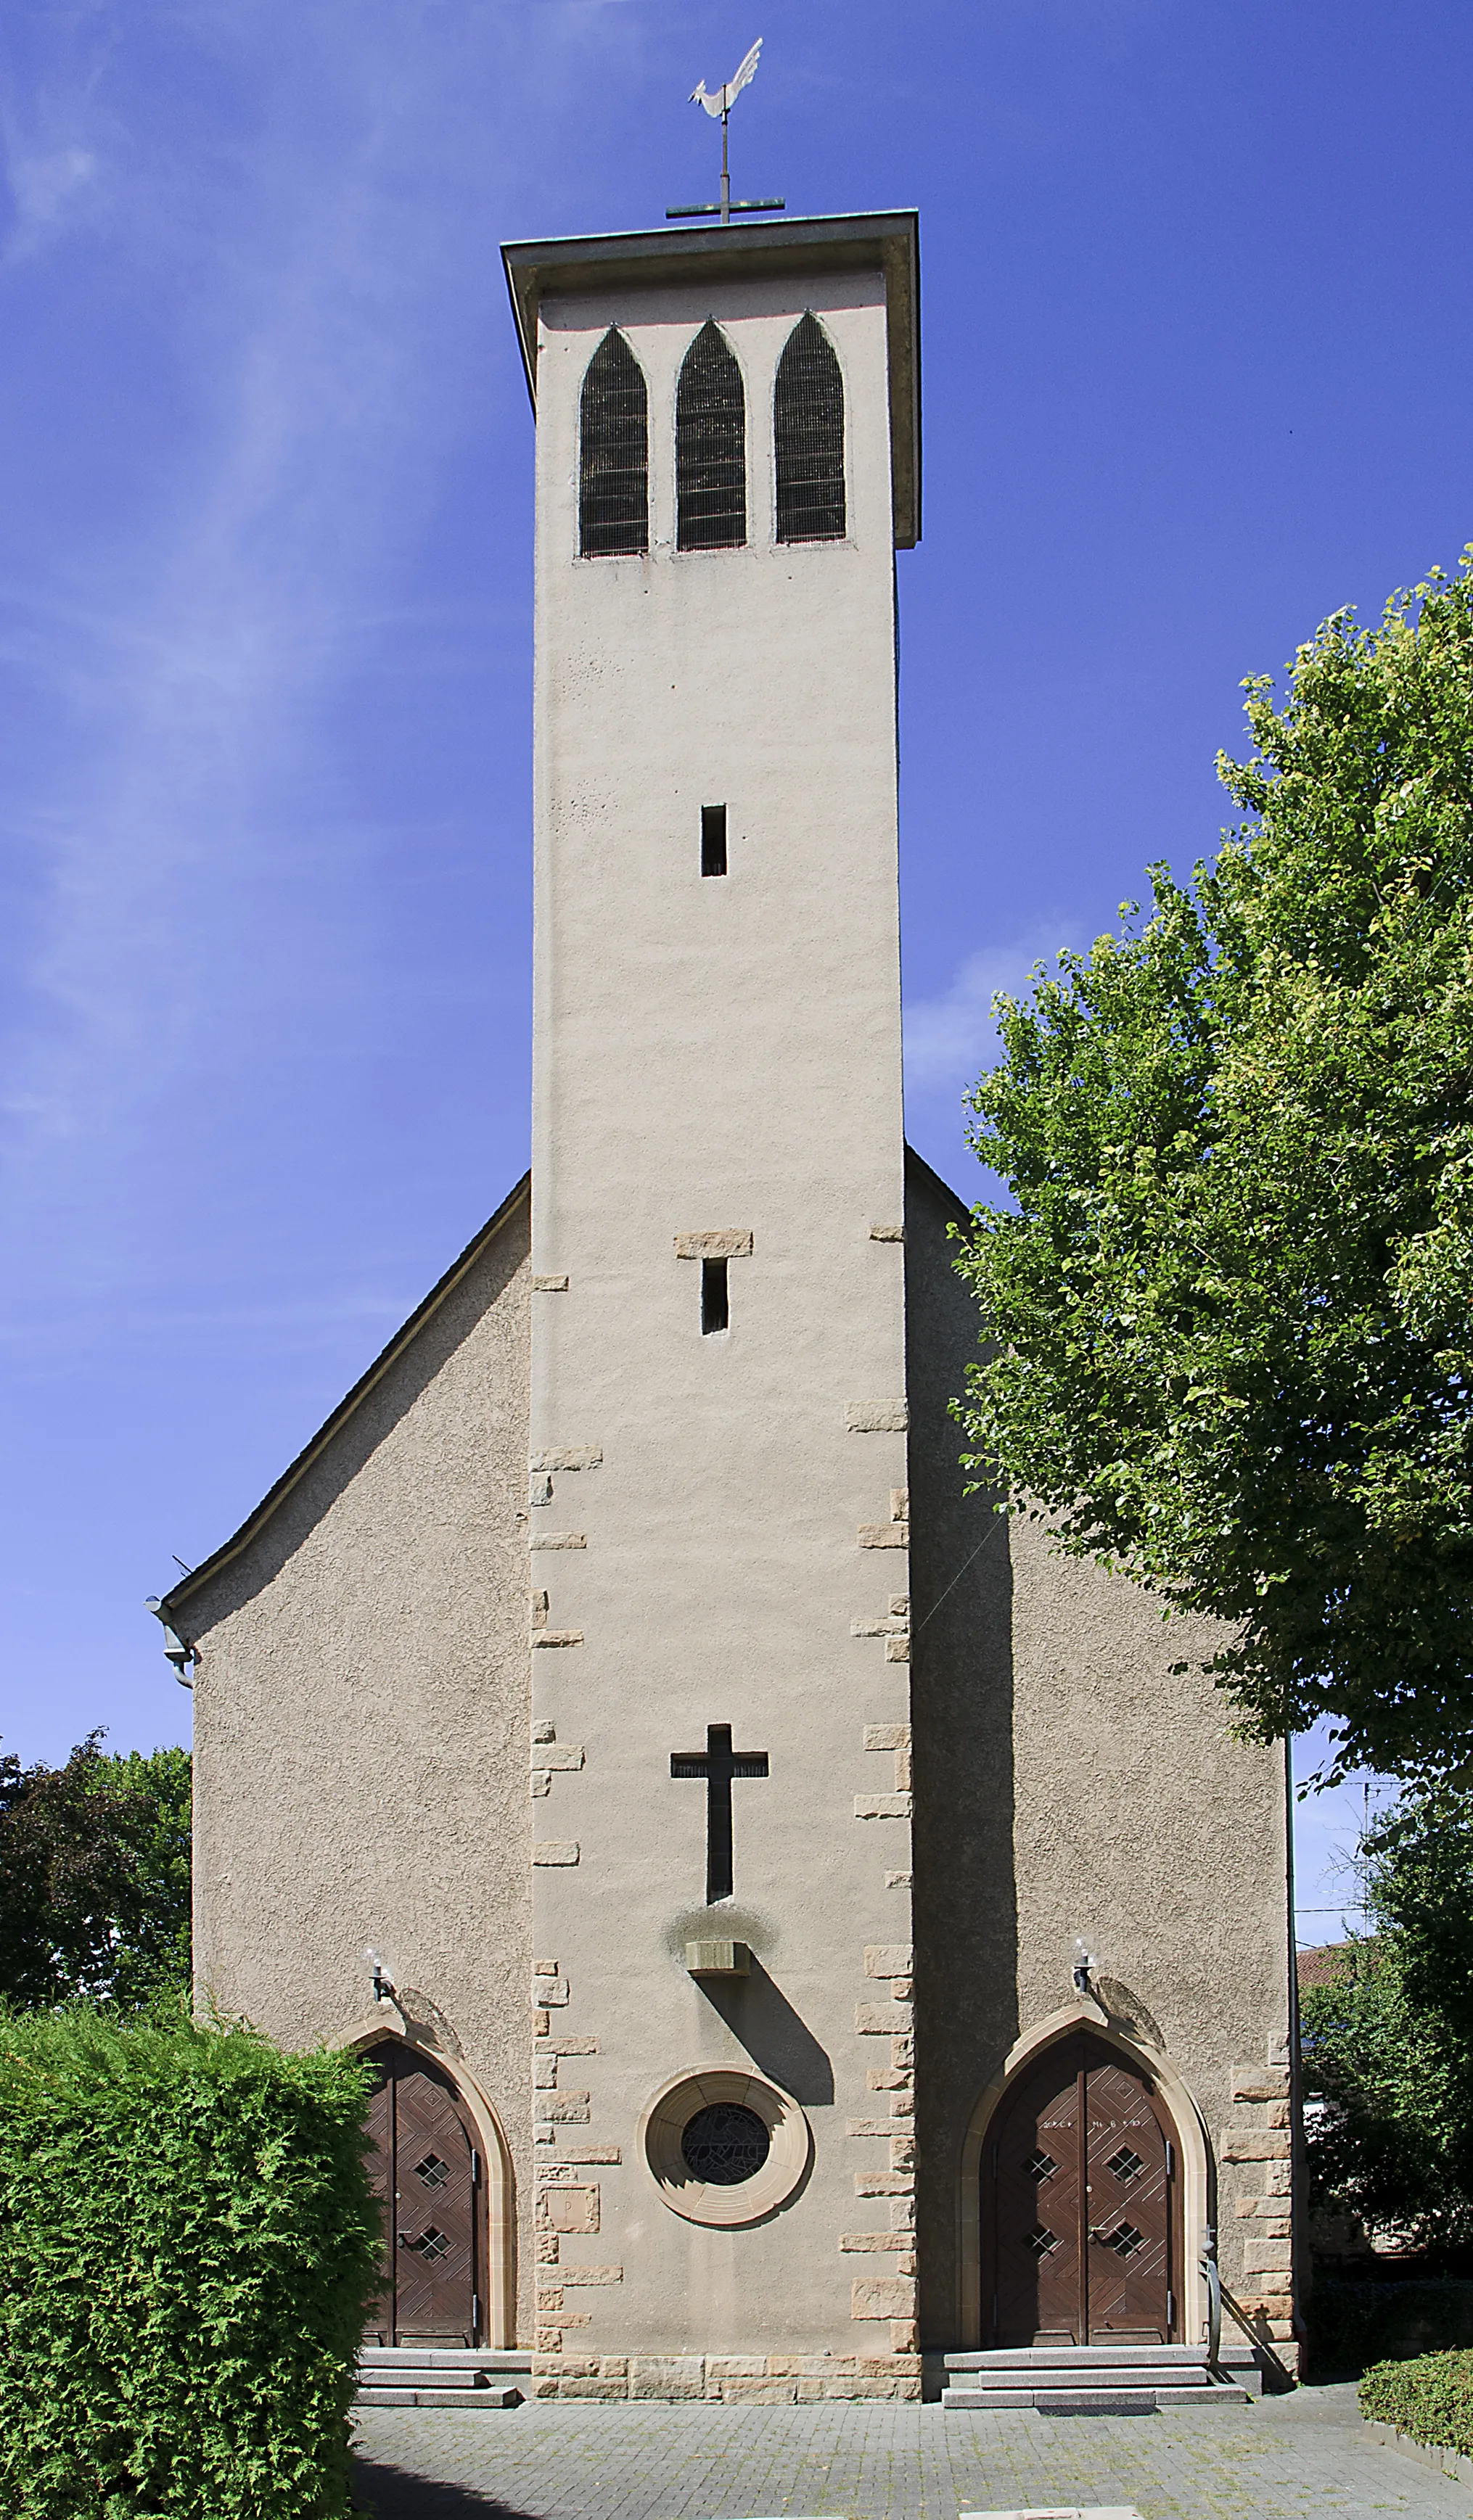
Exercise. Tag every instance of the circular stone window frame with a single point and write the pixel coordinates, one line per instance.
(663, 2127)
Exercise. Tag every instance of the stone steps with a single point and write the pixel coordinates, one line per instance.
(469, 2376)
(1089, 2380)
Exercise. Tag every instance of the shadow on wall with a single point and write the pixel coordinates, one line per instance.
(391, 2493)
(965, 1898)
(777, 2039)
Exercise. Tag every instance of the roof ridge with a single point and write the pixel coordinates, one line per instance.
(316, 1444)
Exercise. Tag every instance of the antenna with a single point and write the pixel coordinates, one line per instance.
(720, 103)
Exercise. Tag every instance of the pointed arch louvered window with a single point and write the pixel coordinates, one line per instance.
(614, 452)
(809, 426)
(710, 447)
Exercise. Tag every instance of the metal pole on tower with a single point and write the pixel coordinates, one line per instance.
(725, 175)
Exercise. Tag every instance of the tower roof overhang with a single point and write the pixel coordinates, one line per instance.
(882, 240)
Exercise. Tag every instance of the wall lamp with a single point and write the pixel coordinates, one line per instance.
(177, 1651)
(1086, 1964)
(383, 1983)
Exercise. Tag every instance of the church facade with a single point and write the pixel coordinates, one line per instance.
(810, 1926)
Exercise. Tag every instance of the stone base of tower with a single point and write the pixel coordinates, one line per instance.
(727, 2379)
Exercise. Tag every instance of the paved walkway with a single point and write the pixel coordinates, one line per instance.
(1287, 2458)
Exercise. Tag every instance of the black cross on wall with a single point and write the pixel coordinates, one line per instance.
(719, 1762)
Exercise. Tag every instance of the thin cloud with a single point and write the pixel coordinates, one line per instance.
(53, 189)
(191, 656)
(952, 1038)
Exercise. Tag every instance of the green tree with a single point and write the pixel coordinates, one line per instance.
(1388, 2043)
(95, 1877)
(1229, 1336)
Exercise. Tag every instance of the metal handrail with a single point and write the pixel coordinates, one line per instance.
(1219, 2298)
(1214, 2297)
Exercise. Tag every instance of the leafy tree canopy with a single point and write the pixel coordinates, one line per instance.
(1388, 2043)
(95, 1877)
(1230, 1323)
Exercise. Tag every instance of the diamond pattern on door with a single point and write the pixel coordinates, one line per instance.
(1036, 2279)
(1131, 2262)
(1087, 2122)
(423, 2147)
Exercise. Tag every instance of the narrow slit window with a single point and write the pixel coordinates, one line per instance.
(808, 430)
(713, 839)
(716, 1306)
(711, 446)
(614, 452)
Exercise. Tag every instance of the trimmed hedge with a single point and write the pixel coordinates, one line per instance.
(1431, 2399)
(1355, 2324)
(187, 2246)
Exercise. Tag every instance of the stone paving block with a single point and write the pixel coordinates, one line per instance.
(1305, 2456)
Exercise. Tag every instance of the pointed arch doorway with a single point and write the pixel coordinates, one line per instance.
(429, 2174)
(1081, 2216)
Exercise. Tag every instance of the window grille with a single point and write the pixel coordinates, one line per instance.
(614, 457)
(808, 422)
(710, 447)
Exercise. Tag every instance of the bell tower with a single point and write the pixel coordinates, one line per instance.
(727, 460)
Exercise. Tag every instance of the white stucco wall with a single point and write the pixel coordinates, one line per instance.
(361, 1720)
(719, 1052)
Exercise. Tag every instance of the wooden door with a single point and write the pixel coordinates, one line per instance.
(1080, 2206)
(425, 2163)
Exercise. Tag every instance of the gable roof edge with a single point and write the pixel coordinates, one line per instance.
(173, 1601)
(930, 1179)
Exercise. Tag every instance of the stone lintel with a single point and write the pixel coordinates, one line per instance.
(726, 1243)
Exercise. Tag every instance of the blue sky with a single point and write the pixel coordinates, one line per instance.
(1198, 369)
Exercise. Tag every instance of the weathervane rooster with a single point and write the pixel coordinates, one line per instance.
(726, 96)
(719, 102)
